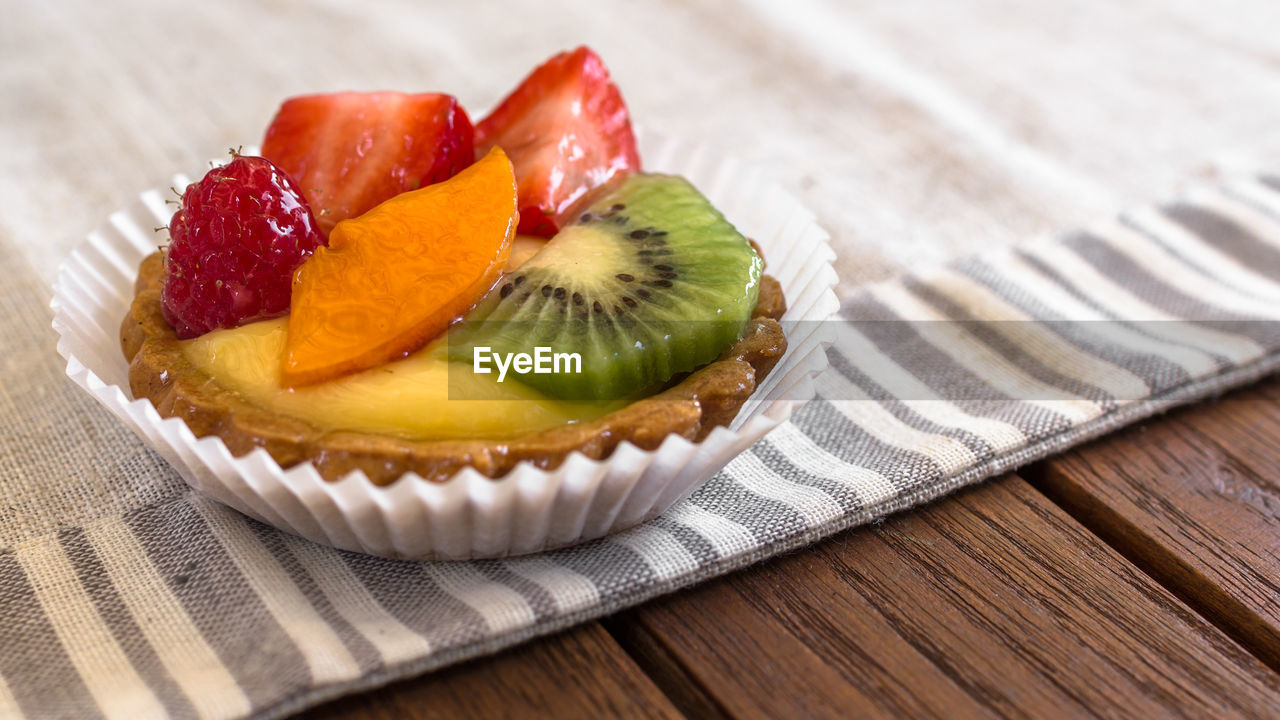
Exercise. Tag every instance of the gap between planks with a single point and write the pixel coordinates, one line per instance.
(1204, 444)
(1207, 599)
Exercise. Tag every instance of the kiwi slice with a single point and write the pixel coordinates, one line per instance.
(650, 282)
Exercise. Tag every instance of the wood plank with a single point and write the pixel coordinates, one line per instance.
(992, 603)
(1194, 499)
(581, 673)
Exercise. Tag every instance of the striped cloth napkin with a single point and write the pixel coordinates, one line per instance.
(939, 379)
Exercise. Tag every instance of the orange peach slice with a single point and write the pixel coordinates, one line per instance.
(397, 276)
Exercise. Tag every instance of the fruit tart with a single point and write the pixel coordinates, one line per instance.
(390, 289)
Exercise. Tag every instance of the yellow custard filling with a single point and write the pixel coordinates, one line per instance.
(422, 396)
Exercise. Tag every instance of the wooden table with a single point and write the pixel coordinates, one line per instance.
(1138, 577)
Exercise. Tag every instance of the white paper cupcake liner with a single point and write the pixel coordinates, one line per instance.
(470, 515)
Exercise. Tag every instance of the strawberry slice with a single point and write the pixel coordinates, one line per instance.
(350, 151)
(567, 132)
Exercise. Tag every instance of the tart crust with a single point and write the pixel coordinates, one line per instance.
(692, 408)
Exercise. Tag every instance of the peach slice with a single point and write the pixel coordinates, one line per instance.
(397, 276)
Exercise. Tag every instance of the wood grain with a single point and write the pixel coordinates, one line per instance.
(1194, 499)
(993, 603)
(581, 673)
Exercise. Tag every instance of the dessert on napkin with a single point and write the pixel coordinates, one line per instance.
(390, 289)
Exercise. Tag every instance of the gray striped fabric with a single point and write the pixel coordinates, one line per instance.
(938, 379)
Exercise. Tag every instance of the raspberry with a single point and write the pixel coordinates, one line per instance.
(241, 232)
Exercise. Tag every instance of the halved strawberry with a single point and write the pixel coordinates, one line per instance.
(350, 151)
(567, 132)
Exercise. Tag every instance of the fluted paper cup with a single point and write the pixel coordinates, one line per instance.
(469, 515)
